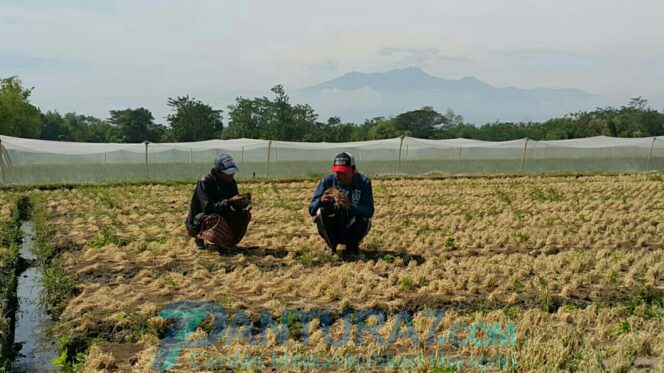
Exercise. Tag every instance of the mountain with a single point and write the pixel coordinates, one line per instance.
(357, 96)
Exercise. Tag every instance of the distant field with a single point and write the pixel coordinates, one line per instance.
(575, 263)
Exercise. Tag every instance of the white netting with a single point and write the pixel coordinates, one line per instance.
(36, 161)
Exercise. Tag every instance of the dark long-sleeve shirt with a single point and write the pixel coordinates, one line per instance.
(210, 197)
(359, 194)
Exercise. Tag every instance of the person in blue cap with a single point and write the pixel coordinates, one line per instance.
(342, 206)
(217, 212)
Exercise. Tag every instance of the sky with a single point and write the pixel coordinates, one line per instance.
(94, 56)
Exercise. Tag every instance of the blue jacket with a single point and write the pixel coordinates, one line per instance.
(359, 194)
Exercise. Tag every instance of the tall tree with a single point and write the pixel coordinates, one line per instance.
(194, 120)
(638, 103)
(386, 129)
(302, 122)
(244, 120)
(135, 125)
(53, 127)
(77, 126)
(421, 123)
(334, 131)
(271, 119)
(18, 117)
(101, 131)
(281, 115)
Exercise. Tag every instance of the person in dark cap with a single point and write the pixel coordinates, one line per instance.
(342, 206)
(217, 212)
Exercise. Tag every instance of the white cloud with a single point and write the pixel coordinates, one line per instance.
(149, 50)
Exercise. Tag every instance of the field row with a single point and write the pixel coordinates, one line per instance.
(576, 263)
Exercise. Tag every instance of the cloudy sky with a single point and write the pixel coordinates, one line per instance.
(94, 56)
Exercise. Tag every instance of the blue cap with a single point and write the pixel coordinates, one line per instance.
(225, 164)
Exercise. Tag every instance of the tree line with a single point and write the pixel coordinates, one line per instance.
(277, 118)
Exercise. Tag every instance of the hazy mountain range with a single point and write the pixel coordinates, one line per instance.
(357, 96)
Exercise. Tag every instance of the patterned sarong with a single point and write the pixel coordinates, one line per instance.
(223, 235)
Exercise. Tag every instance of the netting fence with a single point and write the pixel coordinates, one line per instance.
(29, 161)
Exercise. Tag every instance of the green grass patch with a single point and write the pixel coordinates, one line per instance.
(548, 195)
(311, 256)
(389, 258)
(449, 243)
(59, 287)
(621, 328)
(105, 237)
(288, 205)
(407, 283)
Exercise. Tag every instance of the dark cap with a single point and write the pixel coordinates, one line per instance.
(225, 164)
(343, 162)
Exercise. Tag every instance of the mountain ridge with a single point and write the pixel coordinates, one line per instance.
(356, 96)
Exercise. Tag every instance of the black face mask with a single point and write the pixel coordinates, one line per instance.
(220, 177)
(217, 177)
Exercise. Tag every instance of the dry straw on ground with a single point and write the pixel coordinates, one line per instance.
(572, 261)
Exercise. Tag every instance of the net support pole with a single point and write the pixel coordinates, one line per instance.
(267, 165)
(104, 158)
(399, 157)
(147, 165)
(652, 146)
(459, 158)
(242, 157)
(191, 156)
(523, 156)
(2, 163)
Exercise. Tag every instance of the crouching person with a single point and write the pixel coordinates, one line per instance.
(342, 206)
(217, 212)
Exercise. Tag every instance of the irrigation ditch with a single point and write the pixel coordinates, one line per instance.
(31, 282)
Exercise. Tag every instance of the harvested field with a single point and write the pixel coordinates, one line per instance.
(575, 263)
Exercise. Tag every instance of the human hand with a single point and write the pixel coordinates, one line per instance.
(236, 198)
(344, 201)
(327, 196)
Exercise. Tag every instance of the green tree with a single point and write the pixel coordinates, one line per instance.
(638, 103)
(194, 120)
(335, 131)
(385, 129)
(452, 118)
(302, 122)
(286, 122)
(135, 125)
(53, 127)
(281, 115)
(245, 119)
(420, 123)
(361, 132)
(275, 119)
(101, 131)
(18, 117)
(79, 128)
(75, 127)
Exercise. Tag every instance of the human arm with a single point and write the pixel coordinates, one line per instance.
(365, 206)
(321, 196)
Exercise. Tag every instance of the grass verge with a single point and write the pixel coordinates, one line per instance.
(11, 265)
(59, 286)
